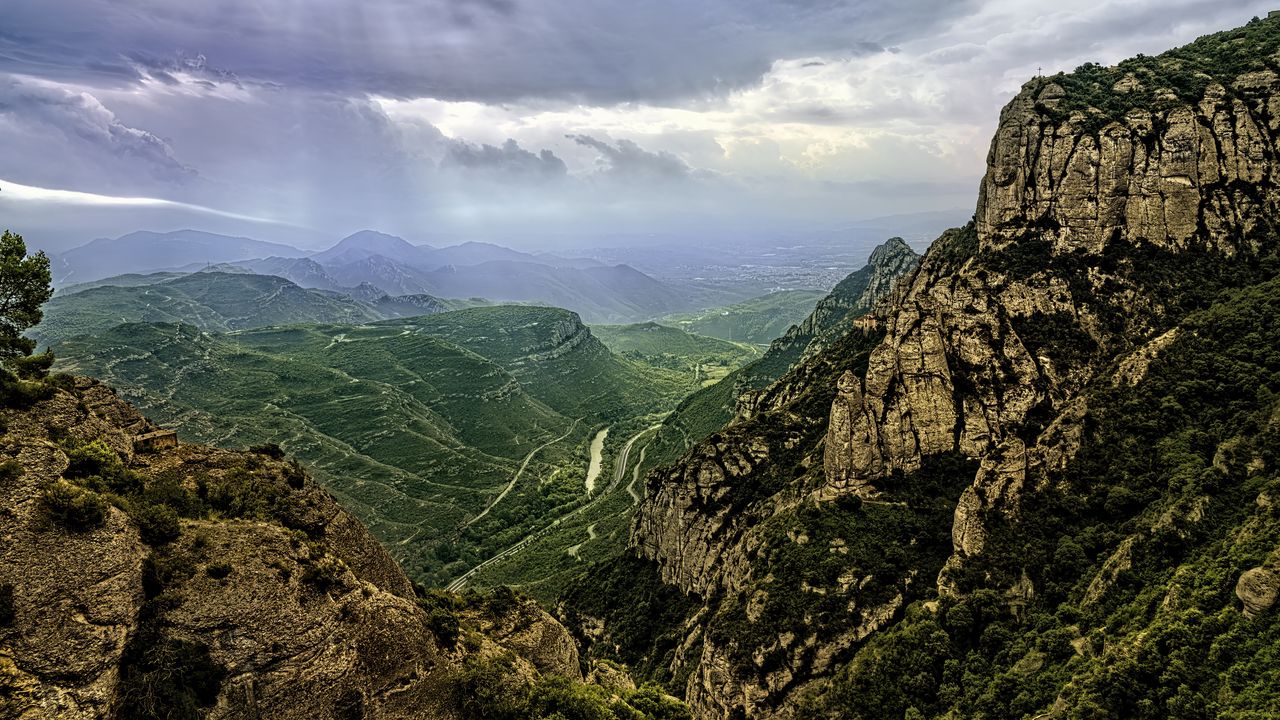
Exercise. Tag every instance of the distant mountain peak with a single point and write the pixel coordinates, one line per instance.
(366, 243)
(892, 246)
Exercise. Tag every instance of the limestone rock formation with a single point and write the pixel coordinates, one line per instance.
(1063, 284)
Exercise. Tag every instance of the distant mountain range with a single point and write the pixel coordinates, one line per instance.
(144, 251)
(370, 264)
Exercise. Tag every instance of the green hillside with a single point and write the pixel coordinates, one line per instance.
(418, 425)
(708, 359)
(757, 321)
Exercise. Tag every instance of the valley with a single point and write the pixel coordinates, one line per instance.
(1023, 463)
(451, 435)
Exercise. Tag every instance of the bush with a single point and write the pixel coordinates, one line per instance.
(157, 524)
(17, 393)
(324, 572)
(7, 611)
(444, 625)
(32, 367)
(92, 458)
(10, 470)
(271, 450)
(98, 465)
(74, 507)
(218, 570)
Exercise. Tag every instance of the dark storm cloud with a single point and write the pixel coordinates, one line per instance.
(510, 161)
(627, 160)
(491, 50)
(84, 120)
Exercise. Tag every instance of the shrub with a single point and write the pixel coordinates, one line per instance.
(17, 393)
(32, 367)
(324, 572)
(240, 493)
(7, 611)
(157, 524)
(74, 507)
(271, 450)
(92, 458)
(491, 689)
(218, 570)
(10, 470)
(98, 466)
(444, 625)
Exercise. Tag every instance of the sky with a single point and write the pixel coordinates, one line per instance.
(526, 122)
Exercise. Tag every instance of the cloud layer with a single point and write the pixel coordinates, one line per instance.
(515, 118)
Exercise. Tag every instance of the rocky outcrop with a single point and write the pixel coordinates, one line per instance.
(1070, 223)
(272, 603)
(1257, 590)
(855, 296)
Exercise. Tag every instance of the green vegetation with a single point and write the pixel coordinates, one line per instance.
(490, 689)
(1163, 82)
(74, 507)
(706, 360)
(211, 301)
(417, 425)
(157, 524)
(24, 288)
(757, 321)
(1134, 552)
(644, 617)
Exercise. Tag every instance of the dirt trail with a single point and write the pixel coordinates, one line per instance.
(516, 477)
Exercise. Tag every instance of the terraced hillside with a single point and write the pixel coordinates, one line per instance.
(417, 425)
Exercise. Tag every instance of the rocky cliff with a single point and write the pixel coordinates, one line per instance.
(193, 582)
(953, 462)
(740, 393)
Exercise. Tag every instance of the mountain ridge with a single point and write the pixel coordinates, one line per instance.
(906, 497)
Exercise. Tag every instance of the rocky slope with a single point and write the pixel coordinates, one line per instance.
(930, 461)
(188, 581)
(704, 412)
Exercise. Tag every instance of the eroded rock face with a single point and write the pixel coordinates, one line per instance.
(300, 610)
(1063, 214)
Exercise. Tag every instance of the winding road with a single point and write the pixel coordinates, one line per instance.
(619, 472)
(516, 477)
